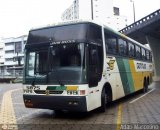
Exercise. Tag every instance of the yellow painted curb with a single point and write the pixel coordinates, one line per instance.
(7, 114)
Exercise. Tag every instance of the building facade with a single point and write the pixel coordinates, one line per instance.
(13, 49)
(1, 56)
(98, 10)
(72, 12)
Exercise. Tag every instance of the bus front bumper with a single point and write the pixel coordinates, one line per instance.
(70, 103)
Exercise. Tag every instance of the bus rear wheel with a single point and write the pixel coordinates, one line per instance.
(145, 86)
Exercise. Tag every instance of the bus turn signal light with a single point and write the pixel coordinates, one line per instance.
(82, 92)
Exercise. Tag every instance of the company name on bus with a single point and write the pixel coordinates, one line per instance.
(141, 66)
(63, 42)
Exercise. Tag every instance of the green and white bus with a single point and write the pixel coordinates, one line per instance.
(81, 66)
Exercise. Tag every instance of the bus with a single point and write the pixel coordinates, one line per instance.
(82, 65)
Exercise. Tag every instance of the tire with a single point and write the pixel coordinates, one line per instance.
(145, 86)
(103, 101)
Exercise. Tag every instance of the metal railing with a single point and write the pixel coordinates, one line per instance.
(141, 21)
(11, 74)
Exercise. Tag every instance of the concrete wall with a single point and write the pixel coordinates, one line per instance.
(155, 47)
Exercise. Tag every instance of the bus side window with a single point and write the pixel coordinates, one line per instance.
(147, 54)
(138, 52)
(150, 56)
(41, 66)
(122, 45)
(143, 54)
(131, 50)
(111, 43)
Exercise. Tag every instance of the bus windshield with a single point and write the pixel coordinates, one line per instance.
(59, 64)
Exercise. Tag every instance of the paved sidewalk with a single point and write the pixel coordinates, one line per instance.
(135, 109)
(145, 110)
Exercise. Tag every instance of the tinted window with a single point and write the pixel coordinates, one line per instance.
(150, 56)
(95, 33)
(111, 43)
(95, 64)
(138, 52)
(143, 54)
(122, 47)
(37, 62)
(147, 54)
(66, 55)
(58, 33)
(131, 49)
(96, 57)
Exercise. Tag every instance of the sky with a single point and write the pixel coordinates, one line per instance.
(17, 17)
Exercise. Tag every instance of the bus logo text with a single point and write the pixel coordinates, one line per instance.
(111, 64)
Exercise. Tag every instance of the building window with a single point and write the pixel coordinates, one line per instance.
(9, 52)
(18, 47)
(9, 59)
(116, 11)
(9, 44)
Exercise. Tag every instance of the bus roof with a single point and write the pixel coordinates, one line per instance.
(93, 22)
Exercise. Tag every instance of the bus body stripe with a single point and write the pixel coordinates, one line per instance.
(127, 71)
(129, 75)
(133, 73)
(123, 75)
(136, 76)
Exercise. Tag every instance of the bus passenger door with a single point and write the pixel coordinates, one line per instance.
(95, 65)
(94, 75)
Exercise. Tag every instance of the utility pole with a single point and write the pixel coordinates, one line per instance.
(92, 10)
(133, 10)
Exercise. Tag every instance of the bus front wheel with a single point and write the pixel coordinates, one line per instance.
(103, 100)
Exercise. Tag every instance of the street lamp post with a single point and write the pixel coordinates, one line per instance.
(133, 10)
(92, 9)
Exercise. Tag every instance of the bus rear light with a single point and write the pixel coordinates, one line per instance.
(82, 92)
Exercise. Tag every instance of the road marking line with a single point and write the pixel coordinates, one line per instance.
(7, 113)
(142, 96)
(119, 116)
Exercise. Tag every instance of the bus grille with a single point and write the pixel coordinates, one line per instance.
(47, 92)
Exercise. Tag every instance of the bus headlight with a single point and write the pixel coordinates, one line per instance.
(71, 92)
